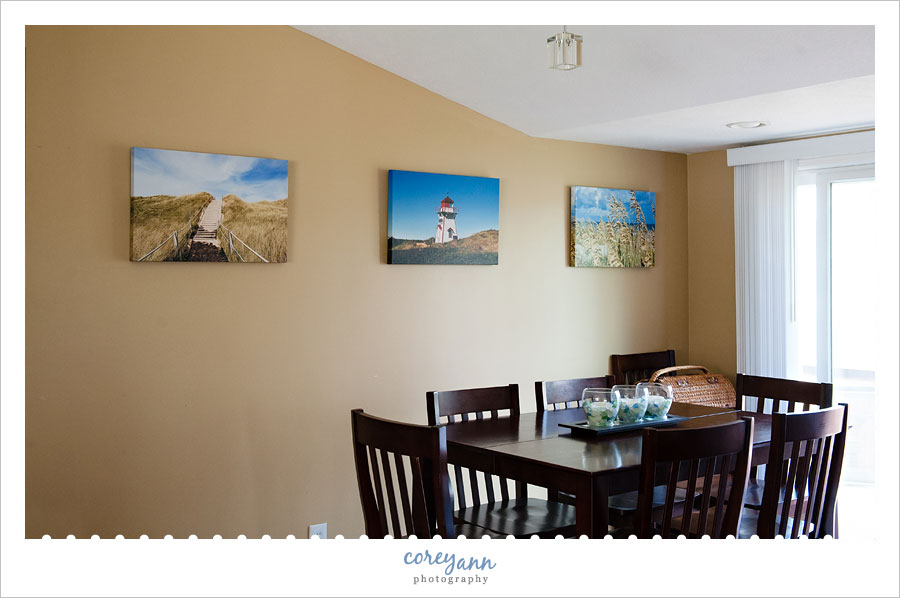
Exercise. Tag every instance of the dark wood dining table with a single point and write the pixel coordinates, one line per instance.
(532, 448)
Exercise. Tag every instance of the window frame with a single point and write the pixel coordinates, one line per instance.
(823, 174)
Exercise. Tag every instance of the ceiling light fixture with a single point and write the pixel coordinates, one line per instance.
(565, 50)
(747, 124)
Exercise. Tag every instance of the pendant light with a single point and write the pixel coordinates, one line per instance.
(565, 50)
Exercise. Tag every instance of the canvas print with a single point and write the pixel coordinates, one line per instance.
(442, 218)
(612, 228)
(195, 207)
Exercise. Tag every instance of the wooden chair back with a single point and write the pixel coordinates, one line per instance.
(455, 406)
(634, 367)
(805, 459)
(462, 405)
(717, 458)
(773, 394)
(779, 395)
(401, 470)
(565, 394)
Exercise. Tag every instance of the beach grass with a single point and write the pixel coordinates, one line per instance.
(154, 219)
(621, 241)
(261, 225)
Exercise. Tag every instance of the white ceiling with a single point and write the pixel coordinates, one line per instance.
(668, 88)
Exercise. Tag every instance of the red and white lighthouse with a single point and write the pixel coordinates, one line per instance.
(446, 227)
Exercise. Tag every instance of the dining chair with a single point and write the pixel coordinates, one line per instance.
(805, 461)
(634, 367)
(774, 394)
(565, 394)
(404, 488)
(714, 460)
(554, 395)
(777, 395)
(512, 511)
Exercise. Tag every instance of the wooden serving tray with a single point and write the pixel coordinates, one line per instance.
(582, 428)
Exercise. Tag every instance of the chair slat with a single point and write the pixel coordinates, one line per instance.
(800, 486)
(473, 485)
(719, 520)
(404, 492)
(489, 486)
(389, 491)
(810, 480)
(825, 470)
(706, 495)
(670, 504)
(521, 490)
(815, 468)
(364, 481)
(691, 492)
(421, 527)
(379, 495)
(788, 488)
(461, 502)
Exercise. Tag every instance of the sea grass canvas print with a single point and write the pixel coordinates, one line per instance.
(195, 207)
(442, 218)
(612, 228)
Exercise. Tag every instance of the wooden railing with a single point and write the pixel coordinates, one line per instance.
(174, 236)
(229, 234)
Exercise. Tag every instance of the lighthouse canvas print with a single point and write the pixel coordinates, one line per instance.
(442, 218)
(612, 228)
(196, 207)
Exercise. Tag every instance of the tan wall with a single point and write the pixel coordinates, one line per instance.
(711, 262)
(210, 398)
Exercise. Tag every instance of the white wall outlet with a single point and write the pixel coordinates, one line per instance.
(319, 530)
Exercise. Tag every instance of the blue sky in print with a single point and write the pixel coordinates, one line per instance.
(413, 197)
(170, 172)
(592, 203)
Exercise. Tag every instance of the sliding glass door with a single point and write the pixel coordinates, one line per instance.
(833, 330)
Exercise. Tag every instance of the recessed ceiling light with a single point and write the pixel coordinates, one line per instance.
(747, 124)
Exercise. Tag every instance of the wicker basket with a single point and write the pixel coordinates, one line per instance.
(712, 390)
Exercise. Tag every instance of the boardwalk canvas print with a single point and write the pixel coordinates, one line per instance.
(442, 218)
(612, 228)
(195, 207)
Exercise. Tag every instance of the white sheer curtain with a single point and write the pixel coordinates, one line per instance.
(763, 242)
(762, 220)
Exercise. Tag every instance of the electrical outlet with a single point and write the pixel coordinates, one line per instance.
(319, 530)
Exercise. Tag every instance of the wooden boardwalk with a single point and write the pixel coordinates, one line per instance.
(205, 246)
(209, 224)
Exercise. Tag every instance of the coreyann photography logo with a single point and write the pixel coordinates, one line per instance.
(448, 568)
